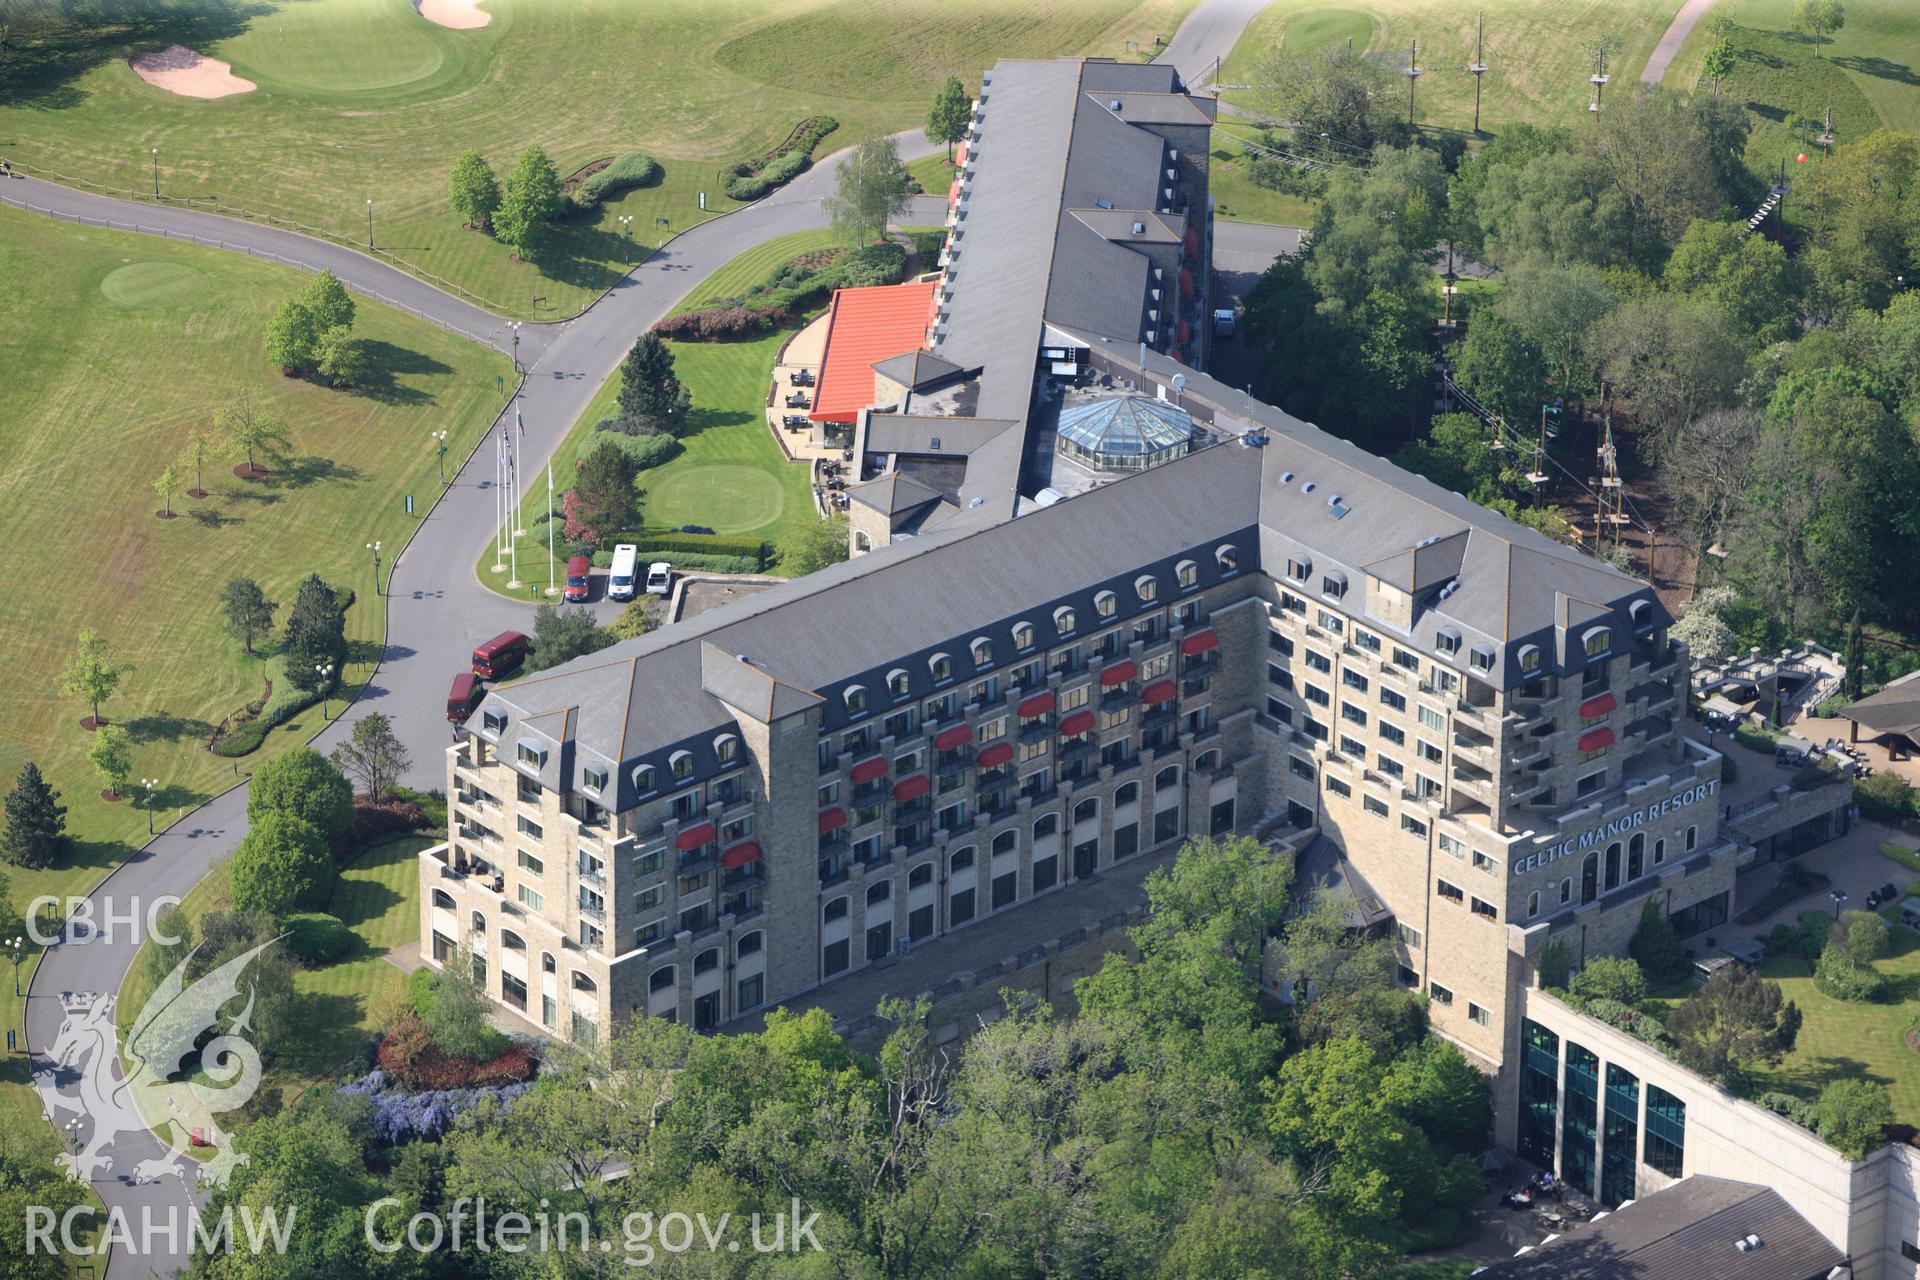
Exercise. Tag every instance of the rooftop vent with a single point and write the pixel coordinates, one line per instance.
(1103, 202)
(1286, 477)
(934, 444)
(1426, 541)
(1333, 499)
(977, 502)
(1453, 585)
(1253, 437)
(1139, 228)
(1115, 104)
(1307, 487)
(1337, 513)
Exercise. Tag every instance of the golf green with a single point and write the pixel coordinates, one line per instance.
(726, 497)
(153, 284)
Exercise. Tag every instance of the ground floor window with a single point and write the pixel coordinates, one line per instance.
(1126, 840)
(585, 1033)
(1086, 858)
(835, 959)
(1046, 873)
(920, 923)
(1708, 913)
(960, 907)
(443, 948)
(1620, 1151)
(1221, 820)
(748, 995)
(880, 941)
(549, 1012)
(1666, 1131)
(1580, 1125)
(514, 991)
(1166, 825)
(706, 1011)
(1539, 1093)
(1004, 888)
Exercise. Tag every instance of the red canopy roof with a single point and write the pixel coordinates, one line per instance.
(1038, 705)
(1595, 739)
(740, 855)
(867, 326)
(1118, 673)
(912, 787)
(1598, 706)
(1199, 642)
(832, 820)
(995, 753)
(869, 769)
(694, 836)
(1078, 722)
(958, 736)
(1157, 692)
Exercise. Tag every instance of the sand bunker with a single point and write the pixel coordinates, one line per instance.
(180, 70)
(461, 15)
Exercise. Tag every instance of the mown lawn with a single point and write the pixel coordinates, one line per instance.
(1237, 196)
(114, 348)
(1538, 72)
(755, 266)
(363, 98)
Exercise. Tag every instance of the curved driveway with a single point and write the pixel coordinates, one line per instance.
(436, 610)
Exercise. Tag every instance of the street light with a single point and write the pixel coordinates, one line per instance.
(325, 671)
(515, 326)
(369, 224)
(1839, 896)
(17, 946)
(73, 1135)
(626, 227)
(375, 548)
(148, 784)
(440, 447)
(156, 173)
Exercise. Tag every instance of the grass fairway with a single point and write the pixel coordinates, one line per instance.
(1237, 196)
(364, 98)
(114, 348)
(1538, 73)
(1859, 1041)
(731, 476)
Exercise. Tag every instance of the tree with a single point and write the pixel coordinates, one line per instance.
(476, 193)
(561, 635)
(950, 114)
(650, 393)
(816, 545)
(199, 448)
(292, 335)
(340, 358)
(1718, 64)
(1736, 1022)
(1701, 626)
(638, 618)
(307, 785)
(374, 755)
(1818, 19)
(1611, 978)
(91, 674)
(246, 610)
(282, 866)
(1377, 229)
(1669, 361)
(1652, 145)
(328, 302)
(1558, 206)
(36, 830)
(458, 1016)
(870, 191)
(166, 484)
(1337, 101)
(1852, 1116)
(249, 429)
(1748, 277)
(532, 197)
(1557, 308)
(1655, 945)
(316, 636)
(111, 753)
(1501, 368)
(1457, 455)
(603, 499)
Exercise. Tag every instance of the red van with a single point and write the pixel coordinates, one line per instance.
(501, 656)
(464, 696)
(579, 577)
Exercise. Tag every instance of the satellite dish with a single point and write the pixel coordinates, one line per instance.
(1179, 382)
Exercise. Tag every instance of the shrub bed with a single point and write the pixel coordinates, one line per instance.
(407, 1054)
(713, 544)
(376, 823)
(1755, 738)
(751, 179)
(316, 938)
(400, 1116)
(716, 323)
(792, 289)
(632, 169)
(1885, 797)
(690, 562)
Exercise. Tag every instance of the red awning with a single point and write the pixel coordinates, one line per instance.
(1595, 739)
(695, 836)
(1078, 722)
(869, 769)
(1200, 642)
(953, 192)
(1181, 333)
(1598, 706)
(1193, 242)
(1157, 692)
(912, 788)
(1038, 705)
(1186, 282)
(832, 820)
(997, 753)
(960, 156)
(958, 736)
(740, 855)
(1117, 673)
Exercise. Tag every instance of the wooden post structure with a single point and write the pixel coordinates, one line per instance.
(1479, 64)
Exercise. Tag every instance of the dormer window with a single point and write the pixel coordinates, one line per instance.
(1481, 657)
(1334, 583)
(681, 762)
(940, 666)
(1187, 573)
(643, 779)
(982, 652)
(1598, 642)
(726, 748)
(1299, 568)
(1105, 603)
(493, 721)
(1063, 621)
(1227, 556)
(1641, 611)
(1529, 659)
(1447, 641)
(1147, 587)
(532, 753)
(899, 684)
(594, 778)
(1023, 635)
(856, 699)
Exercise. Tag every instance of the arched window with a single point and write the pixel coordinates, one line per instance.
(1641, 611)
(1597, 642)
(1045, 825)
(1589, 878)
(643, 779)
(707, 961)
(879, 892)
(1528, 659)
(1127, 793)
(835, 910)
(960, 861)
(1167, 777)
(1206, 762)
(920, 877)
(899, 684)
(1147, 587)
(546, 962)
(443, 899)
(1533, 904)
(982, 652)
(727, 748)
(1693, 835)
(1105, 603)
(1566, 892)
(1063, 620)
(749, 944)
(1613, 865)
(512, 941)
(1227, 556)
(1636, 856)
(1187, 573)
(1023, 635)
(585, 982)
(1087, 810)
(861, 542)
(660, 979)
(1005, 842)
(478, 923)
(940, 665)
(1659, 851)
(681, 762)
(856, 699)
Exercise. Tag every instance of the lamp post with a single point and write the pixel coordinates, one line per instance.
(626, 227)
(440, 447)
(16, 947)
(1839, 896)
(156, 173)
(325, 671)
(369, 224)
(148, 785)
(515, 326)
(72, 1132)
(375, 548)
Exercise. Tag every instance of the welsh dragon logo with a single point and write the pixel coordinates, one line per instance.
(126, 1094)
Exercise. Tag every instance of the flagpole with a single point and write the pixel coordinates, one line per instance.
(550, 587)
(513, 512)
(499, 494)
(519, 452)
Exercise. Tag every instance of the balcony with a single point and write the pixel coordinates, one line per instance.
(1036, 730)
(696, 861)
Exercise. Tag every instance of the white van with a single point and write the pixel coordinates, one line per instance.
(659, 578)
(626, 563)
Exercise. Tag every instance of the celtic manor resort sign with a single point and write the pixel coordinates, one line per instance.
(1619, 826)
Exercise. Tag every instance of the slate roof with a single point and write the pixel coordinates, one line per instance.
(1685, 1232)
(917, 369)
(918, 433)
(1894, 709)
(892, 493)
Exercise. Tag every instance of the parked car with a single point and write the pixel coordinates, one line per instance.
(464, 696)
(626, 565)
(695, 528)
(659, 578)
(501, 656)
(579, 577)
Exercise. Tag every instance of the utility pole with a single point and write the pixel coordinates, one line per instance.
(1826, 135)
(1599, 78)
(1537, 477)
(1479, 64)
(1413, 74)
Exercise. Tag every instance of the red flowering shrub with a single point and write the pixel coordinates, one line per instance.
(408, 1055)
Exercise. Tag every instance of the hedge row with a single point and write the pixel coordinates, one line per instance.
(716, 544)
(722, 322)
(717, 564)
(749, 180)
(787, 291)
(634, 169)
